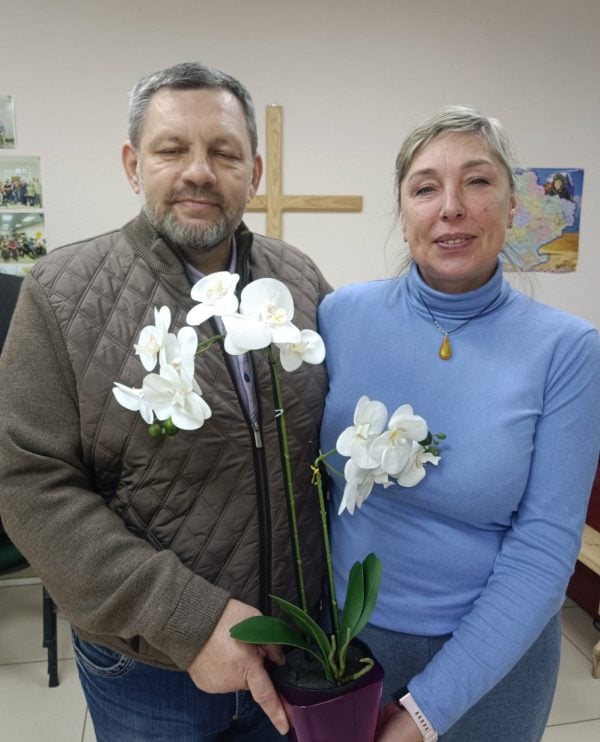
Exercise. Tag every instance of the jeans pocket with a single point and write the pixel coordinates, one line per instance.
(101, 661)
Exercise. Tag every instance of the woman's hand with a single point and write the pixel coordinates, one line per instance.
(396, 725)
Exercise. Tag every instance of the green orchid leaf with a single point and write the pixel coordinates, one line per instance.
(267, 630)
(354, 604)
(372, 569)
(305, 623)
(272, 630)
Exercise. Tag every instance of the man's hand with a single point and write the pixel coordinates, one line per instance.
(396, 725)
(225, 665)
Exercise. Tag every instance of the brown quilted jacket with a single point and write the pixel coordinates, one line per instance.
(141, 541)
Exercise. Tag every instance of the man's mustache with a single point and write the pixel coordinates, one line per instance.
(202, 194)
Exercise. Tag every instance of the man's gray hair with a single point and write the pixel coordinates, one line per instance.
(456, 119)
(187, 75)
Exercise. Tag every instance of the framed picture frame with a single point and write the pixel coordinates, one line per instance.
(20, 183)
(22, 240)
(8, 137)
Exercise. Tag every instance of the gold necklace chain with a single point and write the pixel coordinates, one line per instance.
(445, 350)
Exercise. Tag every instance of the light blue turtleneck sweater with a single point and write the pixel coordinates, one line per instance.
(484, 546)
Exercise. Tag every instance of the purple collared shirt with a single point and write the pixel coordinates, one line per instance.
(242, 368)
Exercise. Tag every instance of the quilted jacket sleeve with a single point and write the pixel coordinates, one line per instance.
(105, 580)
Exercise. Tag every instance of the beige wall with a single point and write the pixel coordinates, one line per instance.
(352, 76)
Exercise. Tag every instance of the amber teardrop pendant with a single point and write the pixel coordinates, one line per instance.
(445, 351)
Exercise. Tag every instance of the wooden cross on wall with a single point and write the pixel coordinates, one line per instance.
(274, 202)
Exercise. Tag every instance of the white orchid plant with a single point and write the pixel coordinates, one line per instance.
(172, 400)
(376, 454)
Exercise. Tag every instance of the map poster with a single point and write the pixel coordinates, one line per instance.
(545, 231)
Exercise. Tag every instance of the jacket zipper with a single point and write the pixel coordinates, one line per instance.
(260, 465)
(257, 435)
(264, 521)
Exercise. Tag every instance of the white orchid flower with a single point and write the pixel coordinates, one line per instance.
(133, 399)
(355, 441)
(153, 337)
(310, 349)
(405, 423)
(359, 483)
(265, 317)
(216, 294)
(414, 471)
(180, 352)
(244, 333)
(172, 395)
(270, 302)
(393, 448)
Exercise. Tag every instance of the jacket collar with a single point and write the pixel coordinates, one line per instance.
(161, 257)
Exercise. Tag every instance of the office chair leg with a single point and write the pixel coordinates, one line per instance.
(50, 638)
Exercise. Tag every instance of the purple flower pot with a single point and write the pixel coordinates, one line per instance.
(342, 714)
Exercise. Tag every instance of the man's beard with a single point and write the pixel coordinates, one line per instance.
(188, 237)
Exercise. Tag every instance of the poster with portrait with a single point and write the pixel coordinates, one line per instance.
(22, 240)
(545, 231)
(20, 183)
(8, 135)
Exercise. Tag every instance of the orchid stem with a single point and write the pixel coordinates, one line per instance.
(206, 344)
(288, 476)
(318, 482)
(328, 465)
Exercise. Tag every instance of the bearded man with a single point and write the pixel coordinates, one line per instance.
(154, 547)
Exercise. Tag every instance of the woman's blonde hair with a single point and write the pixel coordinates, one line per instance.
(455, 119)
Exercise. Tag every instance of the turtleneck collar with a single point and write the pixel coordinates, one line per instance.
(456, 306)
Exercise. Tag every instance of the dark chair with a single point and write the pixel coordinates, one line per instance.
(11, 560)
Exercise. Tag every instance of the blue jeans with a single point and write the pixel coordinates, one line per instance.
(515, 710)
(130, 701)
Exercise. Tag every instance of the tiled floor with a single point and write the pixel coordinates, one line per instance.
(30, 711)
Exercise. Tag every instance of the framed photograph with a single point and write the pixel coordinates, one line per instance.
(22, 240)
(7, 122)
(20, 183)
(545, 232)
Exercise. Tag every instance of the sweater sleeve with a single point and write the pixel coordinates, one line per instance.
(106, 580)
(531, 572)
